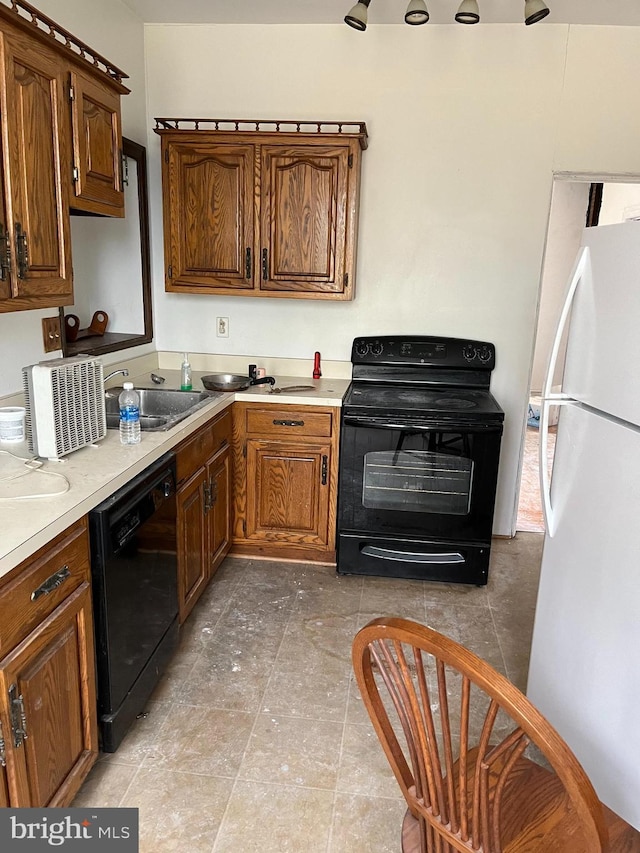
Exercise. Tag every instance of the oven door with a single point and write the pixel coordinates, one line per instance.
(420, 480)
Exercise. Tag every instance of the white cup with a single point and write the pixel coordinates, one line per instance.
(12, 423)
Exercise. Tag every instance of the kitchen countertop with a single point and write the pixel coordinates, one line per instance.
(96, 471)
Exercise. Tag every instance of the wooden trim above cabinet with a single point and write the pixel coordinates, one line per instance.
(39, 26)
(357, 129)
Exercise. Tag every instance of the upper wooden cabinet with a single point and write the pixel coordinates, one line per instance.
(61, 149)
(35, 156)
(261, 212)
(97, 146)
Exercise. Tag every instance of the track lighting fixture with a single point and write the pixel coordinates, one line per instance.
(534, 11)
(357, 16)
(416, 13)
(468, 13)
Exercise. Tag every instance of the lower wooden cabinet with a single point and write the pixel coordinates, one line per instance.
(47, 678)
(285, 481)
(203, 466)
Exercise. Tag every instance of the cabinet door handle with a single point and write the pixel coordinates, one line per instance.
(18, 717)
(207, 497)
(3, 759)
(22, 251)
(288, 423)
(325, 461)
(213, 491)
(247, 263)
(52, 582)
(265, 264)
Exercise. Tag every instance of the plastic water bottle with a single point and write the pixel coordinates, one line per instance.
(129, 415)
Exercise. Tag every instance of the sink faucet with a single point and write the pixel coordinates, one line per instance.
(113, 373)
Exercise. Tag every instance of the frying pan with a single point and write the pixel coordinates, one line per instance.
(232, 381)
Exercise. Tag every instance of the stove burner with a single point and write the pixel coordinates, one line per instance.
(453, 403)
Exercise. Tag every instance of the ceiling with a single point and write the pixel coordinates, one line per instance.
(601, 12)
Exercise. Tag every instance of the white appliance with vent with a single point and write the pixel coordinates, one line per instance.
(65, 407)
(584, 673)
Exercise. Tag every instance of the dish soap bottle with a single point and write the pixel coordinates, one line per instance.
(129, 402)
(185, 376)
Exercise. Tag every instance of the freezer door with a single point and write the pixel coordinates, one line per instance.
(584, 673)
(601, 367)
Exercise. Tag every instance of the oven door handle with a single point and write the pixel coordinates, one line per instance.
(411, 556)
(373, 423)
(421, 426)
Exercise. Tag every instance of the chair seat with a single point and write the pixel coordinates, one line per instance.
(536, 817)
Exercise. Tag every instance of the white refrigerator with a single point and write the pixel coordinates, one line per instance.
(584, 672)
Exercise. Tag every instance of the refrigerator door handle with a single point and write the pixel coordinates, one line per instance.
(550, 521)
(580, 268)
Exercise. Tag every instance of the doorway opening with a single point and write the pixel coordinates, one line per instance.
(577, 201)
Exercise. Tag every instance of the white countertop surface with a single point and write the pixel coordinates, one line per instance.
(95, 472)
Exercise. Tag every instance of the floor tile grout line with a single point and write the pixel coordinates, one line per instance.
(499, 641)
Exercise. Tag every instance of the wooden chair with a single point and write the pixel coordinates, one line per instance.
(514, 786)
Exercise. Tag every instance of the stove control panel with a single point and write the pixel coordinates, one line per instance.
(419, 350)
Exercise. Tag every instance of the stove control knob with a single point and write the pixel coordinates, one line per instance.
(484, 354)
(469, 352)
(362, 348)
(377, 348)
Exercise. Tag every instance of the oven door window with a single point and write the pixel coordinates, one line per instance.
(420, 481)
(424, 481)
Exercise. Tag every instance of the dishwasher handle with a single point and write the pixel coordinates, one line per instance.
(117, 519)
(124, 530)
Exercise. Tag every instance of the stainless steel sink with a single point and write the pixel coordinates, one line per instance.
(160, 408)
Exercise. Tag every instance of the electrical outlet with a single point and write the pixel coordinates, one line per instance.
(51, 334)
(222, 327)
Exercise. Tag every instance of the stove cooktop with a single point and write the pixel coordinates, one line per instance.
(415, 400)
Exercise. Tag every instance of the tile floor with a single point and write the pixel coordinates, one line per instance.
(256, 738)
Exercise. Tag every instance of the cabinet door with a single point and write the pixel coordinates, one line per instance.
(97, 147)
(290, 499)
(48, 692)
(193, 559)
(219, 523)
(307, 218)
(208, 216)
(36, 164)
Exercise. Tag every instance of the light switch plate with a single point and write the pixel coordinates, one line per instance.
(51, 334)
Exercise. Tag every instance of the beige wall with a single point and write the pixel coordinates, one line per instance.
(467, 125)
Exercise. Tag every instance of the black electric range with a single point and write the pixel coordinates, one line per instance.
(420, 444)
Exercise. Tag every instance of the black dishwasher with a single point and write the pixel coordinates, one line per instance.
(135, 594)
